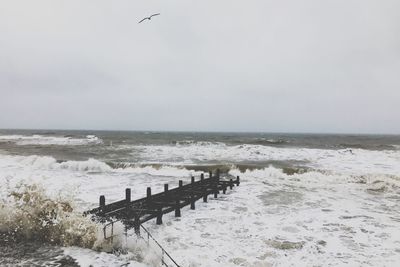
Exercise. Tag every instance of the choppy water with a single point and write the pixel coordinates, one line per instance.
(305, 200)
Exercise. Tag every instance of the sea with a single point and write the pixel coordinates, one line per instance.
(303, 200)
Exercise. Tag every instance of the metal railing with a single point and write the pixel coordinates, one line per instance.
(111, 236)
(163, 251)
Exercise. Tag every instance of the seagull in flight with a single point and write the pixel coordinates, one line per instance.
(149, 18)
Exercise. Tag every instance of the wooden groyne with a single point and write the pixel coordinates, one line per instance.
(133, 213)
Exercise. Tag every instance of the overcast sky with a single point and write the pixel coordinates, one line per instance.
(226, 65)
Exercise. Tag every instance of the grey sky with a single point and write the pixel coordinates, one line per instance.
(288, 66)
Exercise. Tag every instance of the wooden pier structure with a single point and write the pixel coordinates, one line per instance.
(133, 213)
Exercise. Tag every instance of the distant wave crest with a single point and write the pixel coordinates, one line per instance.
(37, 139)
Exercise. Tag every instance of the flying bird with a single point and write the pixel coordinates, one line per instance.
(149, 18)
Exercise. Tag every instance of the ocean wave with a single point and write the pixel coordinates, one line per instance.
(36, 139)
(152, 168)
(50, 163)
(257, 141)
(377, 147)
(194, 142)
(265, 141)
(192, 158)
(292, 170)
(372, 182)
(342, 160)
(289, 167)
(35, 162)
(396, 147)
(28, 214)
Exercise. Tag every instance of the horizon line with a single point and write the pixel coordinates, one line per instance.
(200, 131)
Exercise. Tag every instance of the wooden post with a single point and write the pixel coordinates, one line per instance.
(237, 180)
(159, 216)
(192, 201)
(128, 195)
(205, 197)
(166, 190)
(231, 183)
(202, 177)
(148, 194)
(102, 201)
(177, 209)
(102, 206)
(216, 191)
(177, 205)
(136, 224)
(127, 202)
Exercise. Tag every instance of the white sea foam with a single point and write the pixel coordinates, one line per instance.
(50, 140)
(50, 163)
(35, 162)
(29, 214)
(273, 219)
(344, 213)
(355, 161)
(88, 257)
(89, 178)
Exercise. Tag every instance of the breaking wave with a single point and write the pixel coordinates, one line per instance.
(37, 139)
(97, 166)
(252, 141)
(289, 167)
(377, 147)
(45, 162)
(28, 214)
(272, 142)
(193, 142)
(374, 183)
(343, 160)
